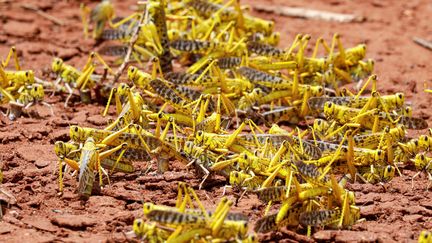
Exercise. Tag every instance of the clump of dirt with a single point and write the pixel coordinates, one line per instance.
(393, 212)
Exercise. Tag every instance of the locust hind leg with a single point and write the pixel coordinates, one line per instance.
(70, 91)
(207, 173)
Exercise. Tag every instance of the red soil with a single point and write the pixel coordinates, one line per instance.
(393, 212)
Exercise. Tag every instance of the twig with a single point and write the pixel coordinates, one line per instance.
(422, 42)
(309, 13)
(42, 14)
(132, 42)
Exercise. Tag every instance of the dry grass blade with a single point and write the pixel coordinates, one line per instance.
(130, 48)
(310, 14)
(422, 42)
(42, 14)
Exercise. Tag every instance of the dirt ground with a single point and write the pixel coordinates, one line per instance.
(393, 212)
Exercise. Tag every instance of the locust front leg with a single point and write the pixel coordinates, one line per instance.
(72, 163)
(12, 52)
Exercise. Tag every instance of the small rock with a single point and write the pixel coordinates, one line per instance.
(13, 177)
(67, 53)
(130, 196)
(368, 199)
(104, 201)
(426, 203)
(424, 115)
(68, 195)
(73, 221)
(11, 162)
(149, 179)
(412, 86)
(42, 163)
(414, 210)
(370, 211)
(323, 235)
(6, 137)
(30, 130)
(36, 49)
(6, 198)
(31, 174)
(134, 206)
(29, 235)
(35, 203)
(80, 117)
(20, 29)
(177, 176)
(6, 228)
(77, 205)
(40, 223)
(60, 135)
(126, 217)
(412, 218)
(61, 122)
(41, 154)
(97, 120)
(355, 236)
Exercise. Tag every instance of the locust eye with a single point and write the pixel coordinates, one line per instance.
(379, 152)
(389, 168)
(138, 222)
(422, 157)
(245, 156)
(27, 74)
(235, 164)
(76, 129)
(147, 206)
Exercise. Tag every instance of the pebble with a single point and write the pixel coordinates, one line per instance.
(73, 221)
(67, 53)
(60, 135)
(6, 228)
(97, 120)
(6, 137)
(40, 223)
(104, 201)
(21, 29)
(412, 218)
(345, 236)
(42, 155)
